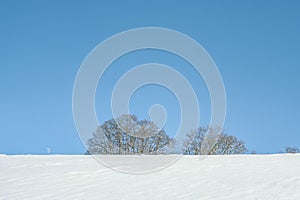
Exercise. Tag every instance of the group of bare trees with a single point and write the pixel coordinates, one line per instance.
(128, 135)
(212, 141)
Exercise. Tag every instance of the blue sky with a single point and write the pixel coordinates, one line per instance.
(255, 45)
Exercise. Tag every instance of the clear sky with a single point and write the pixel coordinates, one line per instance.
(255, 45)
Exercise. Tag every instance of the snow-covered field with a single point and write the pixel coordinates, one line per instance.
(215, 177)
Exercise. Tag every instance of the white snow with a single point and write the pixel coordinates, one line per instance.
(215, 177)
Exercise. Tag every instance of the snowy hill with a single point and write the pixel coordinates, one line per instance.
(215, 177)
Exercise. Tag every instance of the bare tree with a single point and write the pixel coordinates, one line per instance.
(292, 150)
(193, 142)
(228, 144)
(210, 141)
(127, 135)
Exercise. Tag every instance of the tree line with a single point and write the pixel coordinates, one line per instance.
(128, 135)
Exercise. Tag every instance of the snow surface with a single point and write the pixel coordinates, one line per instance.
(215, 177)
